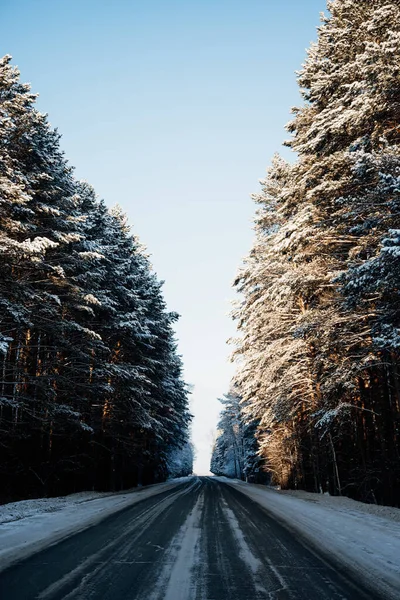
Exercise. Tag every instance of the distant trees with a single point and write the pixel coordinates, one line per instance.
(227, 457)
(91, 389)
(235, 452)
(318, 355)
(180, 460)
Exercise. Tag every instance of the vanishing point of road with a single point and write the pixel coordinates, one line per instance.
(201, 540)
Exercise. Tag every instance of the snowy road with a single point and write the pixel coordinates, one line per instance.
(202, 540)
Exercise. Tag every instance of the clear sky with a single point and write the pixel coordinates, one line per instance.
(173, 109)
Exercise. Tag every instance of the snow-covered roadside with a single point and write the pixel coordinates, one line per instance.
(365, 539)
(29, 526)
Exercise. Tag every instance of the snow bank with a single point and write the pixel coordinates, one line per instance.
(363, 538)
(29, 526)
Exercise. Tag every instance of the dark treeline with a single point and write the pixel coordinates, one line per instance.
(91, 391)
(319, 319)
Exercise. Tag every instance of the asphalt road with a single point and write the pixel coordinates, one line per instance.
(202, 540)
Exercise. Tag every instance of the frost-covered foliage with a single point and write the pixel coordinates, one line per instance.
(227, 455)
(235, 452)
(180, 460)
(91, 385)
(319, 321)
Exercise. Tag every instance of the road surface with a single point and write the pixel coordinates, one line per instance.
(202, 540)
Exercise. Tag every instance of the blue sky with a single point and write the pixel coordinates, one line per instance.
(173, 109)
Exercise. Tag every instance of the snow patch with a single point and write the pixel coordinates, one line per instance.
(245, 553)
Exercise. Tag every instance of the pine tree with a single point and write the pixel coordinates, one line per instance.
(320, 312)
(33, 279)
(235, 452)
(180, 461)
(91, 393)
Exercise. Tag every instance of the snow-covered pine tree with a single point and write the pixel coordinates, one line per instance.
(276, 375)
(91, 391)
(227, 457)
(235, 451)
(180, 460)
(34, 282)
(170, 417)
(347, 137)
(144, 408)
(329, 407)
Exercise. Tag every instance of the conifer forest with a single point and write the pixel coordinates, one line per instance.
(264, 462)
(91, 390)
(315, 402)
(92, 394)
